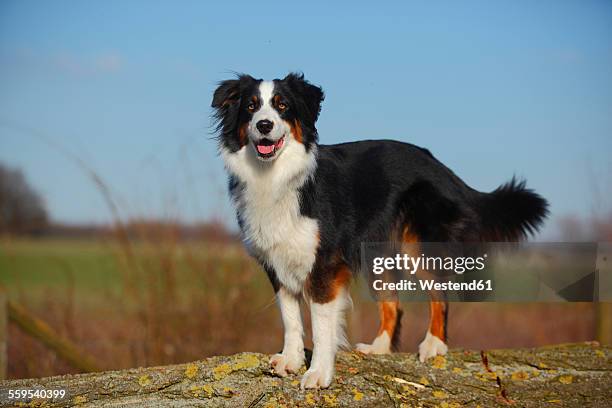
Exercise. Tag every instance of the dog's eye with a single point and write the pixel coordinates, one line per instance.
(282, 106)
(251, 107)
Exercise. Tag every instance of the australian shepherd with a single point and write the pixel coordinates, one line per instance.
(304, 209)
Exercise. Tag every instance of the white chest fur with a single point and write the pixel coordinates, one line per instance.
(268, 205)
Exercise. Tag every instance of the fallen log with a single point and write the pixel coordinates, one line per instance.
(568, 375)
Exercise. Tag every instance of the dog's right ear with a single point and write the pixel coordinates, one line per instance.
(226, 94)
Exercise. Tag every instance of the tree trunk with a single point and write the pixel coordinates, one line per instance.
(570, 375)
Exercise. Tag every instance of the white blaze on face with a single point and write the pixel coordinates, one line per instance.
(267, 112)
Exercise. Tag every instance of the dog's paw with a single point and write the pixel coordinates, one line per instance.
(317, 378)
(282, 364)
(431, 346)
(380, 345)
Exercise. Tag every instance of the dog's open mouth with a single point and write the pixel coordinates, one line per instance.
(267, 148)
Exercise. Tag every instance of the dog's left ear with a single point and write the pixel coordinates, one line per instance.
(312, 95)
(226, 94)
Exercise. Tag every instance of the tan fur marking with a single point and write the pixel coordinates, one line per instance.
(436, 322)
(341, 280)
(242, 134)
(296, 131)
(388, 317)
(408, 236)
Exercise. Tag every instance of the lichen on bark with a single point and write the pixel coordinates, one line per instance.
(568, 375)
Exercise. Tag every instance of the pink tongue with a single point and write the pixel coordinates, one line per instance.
(263, 149)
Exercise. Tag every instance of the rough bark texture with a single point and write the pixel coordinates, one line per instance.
(570, 375)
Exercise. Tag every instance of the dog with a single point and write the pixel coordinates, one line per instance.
(304, 208)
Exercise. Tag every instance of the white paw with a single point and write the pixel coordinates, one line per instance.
(380, 345)
(317, 377)
(286, 363)
(431, 346)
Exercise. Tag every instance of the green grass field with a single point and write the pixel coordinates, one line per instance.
(33, 265)
(96, 268)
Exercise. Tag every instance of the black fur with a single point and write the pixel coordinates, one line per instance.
(396, 338)
(362, 190)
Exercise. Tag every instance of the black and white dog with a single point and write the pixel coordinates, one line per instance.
(304, 208)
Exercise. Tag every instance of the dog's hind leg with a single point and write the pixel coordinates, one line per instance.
(388, 336)
(435, 340)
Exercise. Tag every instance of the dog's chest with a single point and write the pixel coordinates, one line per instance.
(277, 233)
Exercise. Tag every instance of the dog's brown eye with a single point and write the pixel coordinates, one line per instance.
(251, 107)
(282, 106)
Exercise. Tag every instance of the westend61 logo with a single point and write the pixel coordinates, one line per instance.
(412, 264)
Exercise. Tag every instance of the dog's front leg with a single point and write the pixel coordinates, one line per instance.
(327, 335)
(292, 357)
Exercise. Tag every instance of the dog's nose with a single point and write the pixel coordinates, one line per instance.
(264, 126)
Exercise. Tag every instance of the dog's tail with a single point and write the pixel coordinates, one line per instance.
(511, 212)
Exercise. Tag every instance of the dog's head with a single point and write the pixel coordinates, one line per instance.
(266, 116)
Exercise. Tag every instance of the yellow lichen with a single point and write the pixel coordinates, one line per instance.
(566, 379)
(486, 376)
(439, 362)
(440, 394)
(424, 381)
(600, 353)
(196, 391)
(295, 383)
(450, 405)
(271, 404)
(330, 400)
(206, 388)
(144, 380)
(310, 399)
(457, 370)
(406, 389)
(357, 396)
(79, 399)
(554, 401)
(520, 376)
(191, 370)
(221, 371)
(246, 361)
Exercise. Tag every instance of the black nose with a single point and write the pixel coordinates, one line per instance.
(264, 126)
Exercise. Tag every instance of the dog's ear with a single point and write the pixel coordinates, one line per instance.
(226, 94)
(312, 95)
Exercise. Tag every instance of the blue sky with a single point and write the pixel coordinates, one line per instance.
(491, 88)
